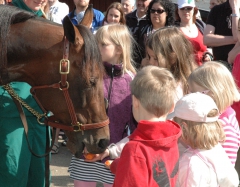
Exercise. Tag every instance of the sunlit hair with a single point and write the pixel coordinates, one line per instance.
(216, 78)
(120, 36)
(168, 6)
(173, 49)
(195, 11)
(155, 88)
(117, 6)
(202, 135)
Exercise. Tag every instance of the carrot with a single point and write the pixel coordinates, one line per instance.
(89, 156)
(108, 163)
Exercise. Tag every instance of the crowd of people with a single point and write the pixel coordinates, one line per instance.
(172, 89)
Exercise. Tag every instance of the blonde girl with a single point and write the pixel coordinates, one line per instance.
(215, 80)
(204, 162)
(114, 43)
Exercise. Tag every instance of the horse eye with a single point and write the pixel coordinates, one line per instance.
(93, 81)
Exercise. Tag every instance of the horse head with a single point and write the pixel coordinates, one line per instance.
(34, 49)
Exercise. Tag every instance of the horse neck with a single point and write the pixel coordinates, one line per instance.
(33, 45)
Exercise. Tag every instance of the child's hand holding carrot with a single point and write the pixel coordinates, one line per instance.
(108, 163)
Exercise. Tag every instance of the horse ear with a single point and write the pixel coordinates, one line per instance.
(88, 17)
(71, 32)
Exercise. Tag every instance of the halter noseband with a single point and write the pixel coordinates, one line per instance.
(63, 85)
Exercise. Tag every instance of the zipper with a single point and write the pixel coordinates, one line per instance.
(110, 89)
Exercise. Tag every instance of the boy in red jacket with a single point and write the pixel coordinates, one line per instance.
(150, 158)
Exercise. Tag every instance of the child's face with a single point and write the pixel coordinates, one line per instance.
(110, 52)
(152, 58)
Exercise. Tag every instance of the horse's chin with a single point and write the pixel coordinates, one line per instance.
(75, 150)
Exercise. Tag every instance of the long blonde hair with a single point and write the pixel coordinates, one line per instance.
(216, 78)
(173, 49)
(120, 36)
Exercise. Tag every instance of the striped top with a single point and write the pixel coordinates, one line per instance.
(231, 129)
(89, 171)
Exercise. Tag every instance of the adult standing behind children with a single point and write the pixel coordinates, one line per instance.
(57, 11)
(150, 158)
(186, 15)
(18, 166)
(136, 20)
(215, 80)
(160, 13)
(221, 29)
(114, 42)
(204, 162)
(128, 6)
(114, 14)
(77, 14)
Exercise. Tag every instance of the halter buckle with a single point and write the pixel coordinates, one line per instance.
(62, 65)
(77, 127)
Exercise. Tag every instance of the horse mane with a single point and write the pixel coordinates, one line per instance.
(92, 56)
(9, 15)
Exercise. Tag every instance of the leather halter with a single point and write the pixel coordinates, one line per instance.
(63, 85)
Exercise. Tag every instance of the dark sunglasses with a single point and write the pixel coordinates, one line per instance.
(186, 8)
(159, 11)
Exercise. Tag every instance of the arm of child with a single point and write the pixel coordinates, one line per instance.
(233, 53)
(116, 149)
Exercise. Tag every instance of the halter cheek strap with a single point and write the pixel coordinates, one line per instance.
(63, 86)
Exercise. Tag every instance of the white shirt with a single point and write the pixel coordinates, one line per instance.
(206, 168)
(58, 11)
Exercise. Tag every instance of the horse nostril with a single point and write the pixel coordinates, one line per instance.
(103, 143)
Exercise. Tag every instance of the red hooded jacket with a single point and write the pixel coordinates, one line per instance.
(150, 158)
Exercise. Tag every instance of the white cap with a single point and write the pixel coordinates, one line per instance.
(186, 3)
(195, 107)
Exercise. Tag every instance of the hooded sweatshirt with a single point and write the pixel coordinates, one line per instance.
(150, 158)
(206, 168)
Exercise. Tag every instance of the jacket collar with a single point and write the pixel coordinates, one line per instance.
(113, 70)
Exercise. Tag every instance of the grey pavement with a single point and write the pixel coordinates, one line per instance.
(59, 168)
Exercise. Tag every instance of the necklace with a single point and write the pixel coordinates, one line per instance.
(189, 28)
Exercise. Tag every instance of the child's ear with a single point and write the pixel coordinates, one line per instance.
(119, 50)
(172, 109)
(135, 102)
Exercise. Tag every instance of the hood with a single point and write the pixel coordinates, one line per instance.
(160, 133)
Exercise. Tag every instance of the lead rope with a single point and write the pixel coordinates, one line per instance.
(12, 93)
(19, 102)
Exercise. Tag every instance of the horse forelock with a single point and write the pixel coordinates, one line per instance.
(92, 57)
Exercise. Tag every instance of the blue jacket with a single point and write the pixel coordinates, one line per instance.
(97, 19)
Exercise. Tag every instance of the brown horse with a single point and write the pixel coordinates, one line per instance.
(30, 51)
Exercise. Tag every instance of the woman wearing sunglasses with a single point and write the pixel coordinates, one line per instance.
(160, 14)
(186, 15)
